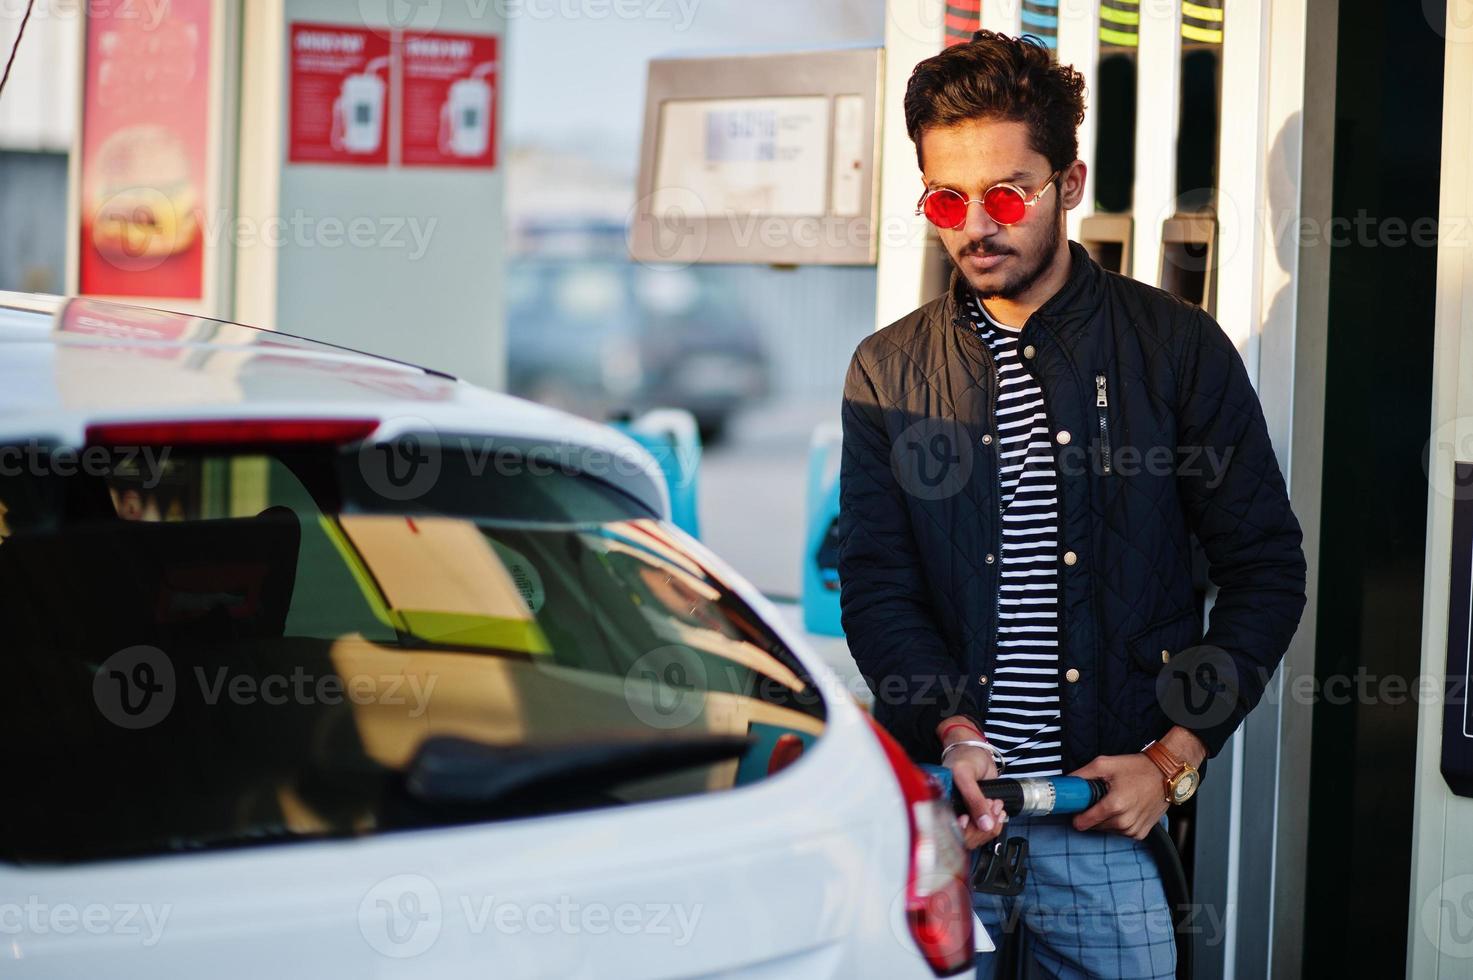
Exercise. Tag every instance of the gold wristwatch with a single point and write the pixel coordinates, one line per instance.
(1182, 780)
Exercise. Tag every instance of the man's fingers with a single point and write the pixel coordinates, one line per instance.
(1108, 814)
(1098, 767)
(977, 804)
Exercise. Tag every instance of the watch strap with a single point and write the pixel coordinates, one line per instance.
(1169, 765)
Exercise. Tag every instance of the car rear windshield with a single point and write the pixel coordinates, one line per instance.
(218, 648)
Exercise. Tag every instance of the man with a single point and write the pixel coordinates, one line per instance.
(1026, 460)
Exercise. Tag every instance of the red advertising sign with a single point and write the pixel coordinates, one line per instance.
(145, 117)
(340, 95)
(449, 100)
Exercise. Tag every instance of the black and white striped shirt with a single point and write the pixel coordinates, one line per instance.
(1023, 714)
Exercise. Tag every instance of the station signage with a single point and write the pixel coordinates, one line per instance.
(450, 83)
(340, 95)
(365, 97)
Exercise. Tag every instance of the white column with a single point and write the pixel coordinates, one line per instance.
(1003, 16)
(914, 31)
(1079, 46)
(1442, 847)
(1158, 109)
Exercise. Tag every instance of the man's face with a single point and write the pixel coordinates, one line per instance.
(969, 157)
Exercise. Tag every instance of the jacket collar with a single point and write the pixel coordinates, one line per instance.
(1067, 313)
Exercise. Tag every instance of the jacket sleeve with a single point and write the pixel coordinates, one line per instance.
(886, 608)
(1235, 501)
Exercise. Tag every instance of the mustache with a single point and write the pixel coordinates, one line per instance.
(982, 249)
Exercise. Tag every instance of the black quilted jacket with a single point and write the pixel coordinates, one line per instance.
(1158, 436)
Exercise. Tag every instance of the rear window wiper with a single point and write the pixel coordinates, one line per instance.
(458, 771)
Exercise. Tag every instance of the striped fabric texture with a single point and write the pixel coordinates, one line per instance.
(1023, 713)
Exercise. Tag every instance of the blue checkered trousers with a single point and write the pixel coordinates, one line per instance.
(1092, 906)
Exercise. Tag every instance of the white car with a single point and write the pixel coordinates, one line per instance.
(323, 665)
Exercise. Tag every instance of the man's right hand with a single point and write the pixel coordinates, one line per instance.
(970, 765)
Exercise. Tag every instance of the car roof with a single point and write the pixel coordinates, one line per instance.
(66, 364)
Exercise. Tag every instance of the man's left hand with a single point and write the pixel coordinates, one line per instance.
(1136, 800)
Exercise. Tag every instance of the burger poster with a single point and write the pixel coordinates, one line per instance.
(145, 123)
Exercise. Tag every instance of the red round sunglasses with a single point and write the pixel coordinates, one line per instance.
(1004, 203)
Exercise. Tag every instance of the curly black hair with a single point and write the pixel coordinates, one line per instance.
(995, 76)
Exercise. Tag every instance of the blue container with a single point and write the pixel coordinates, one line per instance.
(673, 438)
(820, 537)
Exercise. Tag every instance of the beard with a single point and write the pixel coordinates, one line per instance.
(1030, 266)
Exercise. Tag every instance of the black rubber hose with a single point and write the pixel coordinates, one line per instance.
(1178, 894)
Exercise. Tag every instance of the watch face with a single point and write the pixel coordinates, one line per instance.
(1185, 786)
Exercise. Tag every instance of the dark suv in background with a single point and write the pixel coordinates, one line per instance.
(604, 336)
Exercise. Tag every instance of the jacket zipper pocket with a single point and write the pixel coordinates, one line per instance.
(1102, 406)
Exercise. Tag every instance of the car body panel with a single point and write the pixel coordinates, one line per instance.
(801, 873)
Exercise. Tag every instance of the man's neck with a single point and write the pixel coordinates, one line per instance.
(1016, 311)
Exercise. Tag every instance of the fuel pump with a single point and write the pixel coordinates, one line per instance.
(1108, 233)
(1189, 237)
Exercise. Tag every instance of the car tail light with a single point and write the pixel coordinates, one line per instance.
(938, 897)
(786, 751)
(228, 432)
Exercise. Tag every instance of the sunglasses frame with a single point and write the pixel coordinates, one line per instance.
(1028, 202)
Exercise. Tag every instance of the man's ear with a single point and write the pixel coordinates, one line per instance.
(1071, 185)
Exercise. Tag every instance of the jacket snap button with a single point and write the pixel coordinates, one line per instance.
(1063, 437)
(1166, 656)
(991, 559)
(1028, 351)
(987, 440)
(1070, 558)
(1071, 675)
(982, 679)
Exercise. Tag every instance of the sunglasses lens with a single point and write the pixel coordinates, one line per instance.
(946, 209)
(1004, 205)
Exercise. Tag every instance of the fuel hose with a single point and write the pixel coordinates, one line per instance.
(1035, 796)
